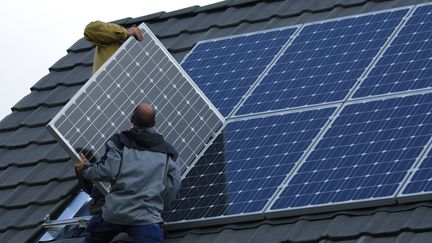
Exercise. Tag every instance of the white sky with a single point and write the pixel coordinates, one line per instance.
(35, 34)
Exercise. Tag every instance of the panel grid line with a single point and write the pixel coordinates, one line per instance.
(240, 173)
(97, 100)
(381, 53)
(226, 68)
(354, 204)
(337, 112)
(405, 64)
(107, 74)
(421, 158)
(263, 98)
(266, 71)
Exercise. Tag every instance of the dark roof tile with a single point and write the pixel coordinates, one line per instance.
(23, 196)
(81, 45)
(180, 13)
(72, 60)
(76, 76)
(150, 17)
(23, 218)
(25, 136)
(213, 7)
(40, 173)
(31, 154)
(122, 21)
(13, 235)
(53, 97)
(30, 118)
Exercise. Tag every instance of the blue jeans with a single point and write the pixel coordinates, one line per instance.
(101, 231)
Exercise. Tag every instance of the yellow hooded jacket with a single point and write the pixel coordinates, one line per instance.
(107, 38)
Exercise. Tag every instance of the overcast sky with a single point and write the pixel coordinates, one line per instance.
(35, 34)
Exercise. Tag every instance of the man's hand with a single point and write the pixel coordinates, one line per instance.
(80, 165)
(136, 32)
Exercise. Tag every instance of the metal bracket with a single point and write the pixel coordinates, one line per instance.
(81, 221)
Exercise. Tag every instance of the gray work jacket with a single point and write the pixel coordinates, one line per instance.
(141, 185)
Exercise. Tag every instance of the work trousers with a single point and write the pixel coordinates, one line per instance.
(101, 231)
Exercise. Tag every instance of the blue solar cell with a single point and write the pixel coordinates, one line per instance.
(225, 69)
(421, 182)
(364, 155)
(323, 62)
(406, 63)
(245, 165)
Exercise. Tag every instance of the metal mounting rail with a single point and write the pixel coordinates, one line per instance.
(81, 221)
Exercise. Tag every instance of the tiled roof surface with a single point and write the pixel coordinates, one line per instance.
(383, 224)
(36, 175)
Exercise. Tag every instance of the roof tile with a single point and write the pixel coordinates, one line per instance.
(31, 154)
(53, 97)
(180, 12)
(72, 60)
(24, 195)
(81, 45)
(25, 136)
(40, 173)
(13, 235)
(78, 75)
(30, 118)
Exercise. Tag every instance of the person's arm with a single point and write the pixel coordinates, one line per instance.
(172, 184)
(101, 33)
(106, 169)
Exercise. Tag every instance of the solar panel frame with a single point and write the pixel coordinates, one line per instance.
(346, 205)
(265, 71)
(352, 90)
(260, 215)
(52, 128)
(358, 86)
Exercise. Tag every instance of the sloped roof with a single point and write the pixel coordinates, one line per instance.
(37, 176)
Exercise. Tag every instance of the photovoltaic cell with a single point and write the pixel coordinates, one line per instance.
(421, 182)
(364, 155)
(323, 62)
(406, 63)
(225, 69)
(245, 165)
(140, 71)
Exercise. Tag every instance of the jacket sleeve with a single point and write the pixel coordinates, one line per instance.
(109, 166)
(100, 33)
(172, 184)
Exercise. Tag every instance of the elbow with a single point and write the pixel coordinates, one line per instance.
(90, 29)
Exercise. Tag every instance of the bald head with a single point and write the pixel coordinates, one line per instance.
(143, 116)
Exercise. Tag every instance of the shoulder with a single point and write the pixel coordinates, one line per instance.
(117, 140)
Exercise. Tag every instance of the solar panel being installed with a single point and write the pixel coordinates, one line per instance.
(245, 165)
(406, 63)
(364, 156)
(323, 62)
(138, 72)
(226, 68)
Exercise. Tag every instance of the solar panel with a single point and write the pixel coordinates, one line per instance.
(420, 183)
(245, 165)
(364, 156)
(140, 71)
(406, 63)
(226, 68)
(322, 64)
